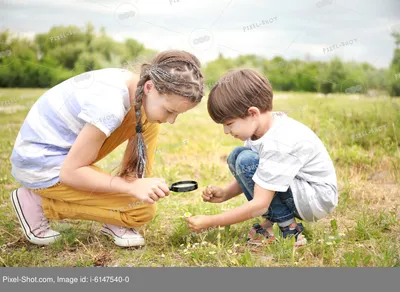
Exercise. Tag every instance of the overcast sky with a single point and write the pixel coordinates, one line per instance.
(351, 29)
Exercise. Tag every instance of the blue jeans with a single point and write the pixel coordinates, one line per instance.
(243, 163)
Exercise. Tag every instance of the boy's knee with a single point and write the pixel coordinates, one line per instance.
(247, 161)
(139, 216)
(234, 154)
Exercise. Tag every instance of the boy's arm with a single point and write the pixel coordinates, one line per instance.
(254, 208)
(232, 190)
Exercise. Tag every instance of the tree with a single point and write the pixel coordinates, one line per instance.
(395, 68)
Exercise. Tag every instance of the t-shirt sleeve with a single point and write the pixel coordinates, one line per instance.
(106, 112)
(278, 167)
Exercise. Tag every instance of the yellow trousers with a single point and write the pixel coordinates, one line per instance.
(64, 202)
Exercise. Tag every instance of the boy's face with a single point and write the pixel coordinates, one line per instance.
(163, 108)
(240, 128)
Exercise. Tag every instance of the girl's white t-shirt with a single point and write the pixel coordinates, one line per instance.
(99, 97)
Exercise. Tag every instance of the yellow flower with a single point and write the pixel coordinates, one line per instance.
(163, 255)
(229, 251)
(187, 214)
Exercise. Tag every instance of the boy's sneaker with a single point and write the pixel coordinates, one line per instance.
(288, 232)
(261, 234)
(35, 225)
(124, 237)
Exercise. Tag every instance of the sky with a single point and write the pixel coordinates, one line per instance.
(354, 30)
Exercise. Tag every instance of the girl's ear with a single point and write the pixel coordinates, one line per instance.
(148, 86)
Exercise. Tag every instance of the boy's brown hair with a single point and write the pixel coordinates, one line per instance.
(237, 91)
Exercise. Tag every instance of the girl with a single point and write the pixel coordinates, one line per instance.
(81, 120)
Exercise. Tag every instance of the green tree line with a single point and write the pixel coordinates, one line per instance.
(65, 51)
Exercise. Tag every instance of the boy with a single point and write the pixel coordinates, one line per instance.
(283, 168)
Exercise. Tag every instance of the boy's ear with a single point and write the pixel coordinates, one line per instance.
(253, 111)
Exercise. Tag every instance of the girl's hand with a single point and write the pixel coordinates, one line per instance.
(199, 223)
(149, 190)
(214, 194)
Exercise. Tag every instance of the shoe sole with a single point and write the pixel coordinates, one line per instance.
(123, 242)
(301, 242)
(25, 226)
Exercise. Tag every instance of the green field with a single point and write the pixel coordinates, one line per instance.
(362, 136)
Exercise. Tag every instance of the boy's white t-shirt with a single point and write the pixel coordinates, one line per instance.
(292, 155)
(99, 97)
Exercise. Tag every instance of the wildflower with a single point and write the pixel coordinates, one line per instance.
(229, 251)
(329, 243)
(342, 234)
(187, 214)
(331, 237)
(204, 243)
(212, 252)
(163, 255)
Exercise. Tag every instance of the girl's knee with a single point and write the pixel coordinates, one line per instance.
(139, 216)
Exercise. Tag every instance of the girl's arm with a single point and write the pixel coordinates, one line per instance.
(75, 171)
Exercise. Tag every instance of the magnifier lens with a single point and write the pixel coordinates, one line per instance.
(184, 186)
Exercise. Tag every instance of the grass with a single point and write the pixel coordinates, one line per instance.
(361, 135)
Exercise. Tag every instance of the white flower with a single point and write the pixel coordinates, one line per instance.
(212, 252)
(329, 243)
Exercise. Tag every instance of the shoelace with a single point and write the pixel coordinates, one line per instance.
(121, 228)
(44, 225)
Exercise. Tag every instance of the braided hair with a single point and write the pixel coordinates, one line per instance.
(176, 72)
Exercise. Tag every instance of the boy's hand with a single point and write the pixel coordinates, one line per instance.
(214, 194)
(199, 223)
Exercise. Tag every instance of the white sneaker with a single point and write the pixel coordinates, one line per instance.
(124, 237)
(35, 225)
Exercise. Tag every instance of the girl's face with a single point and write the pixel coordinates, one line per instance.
(163, 108)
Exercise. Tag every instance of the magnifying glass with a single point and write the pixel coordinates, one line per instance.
(183, 186)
